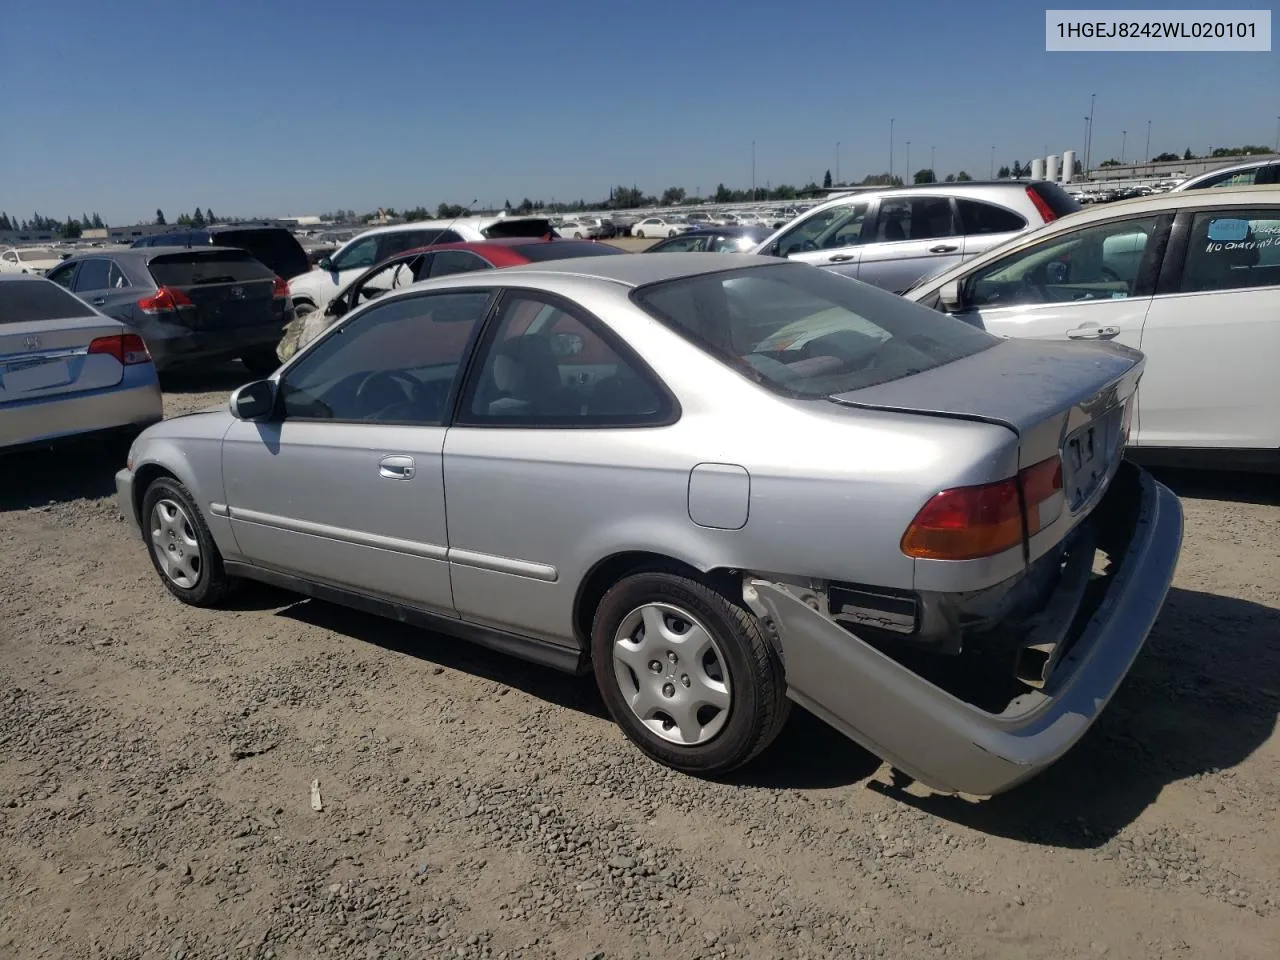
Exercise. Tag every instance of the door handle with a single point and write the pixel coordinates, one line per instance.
(396, 468)
(98, 301)
(944, 248)
(1093, 333)
(839, 257)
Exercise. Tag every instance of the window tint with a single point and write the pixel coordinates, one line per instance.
(1095, 263)
(93, 275)
(1241, 178)
(518, 227)
(396, 363)
(914, 218)
(399, 241)
(357, 256)
(1232, 250)
(679, 245)
(544, 365)
(807, 332)
(564, 249)
(116, 280)
(64, 275)
(978, 217)
(196, 266)
(839, 226)
(445, 262)
(22, 301)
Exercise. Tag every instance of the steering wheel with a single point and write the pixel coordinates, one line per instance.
(381, 390)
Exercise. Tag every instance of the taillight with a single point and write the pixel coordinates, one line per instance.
(1045, 211)
(966, 523)
(281, 288)
(164, 300)
(128, 348)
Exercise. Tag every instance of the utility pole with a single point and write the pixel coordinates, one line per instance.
(753, 170)
(891, 149)
(1124, 143)
(838, 180)
(906, 174)
(993, 163)
(932, 151)
(1277, 134)
(1088, 147)
(1146, 158)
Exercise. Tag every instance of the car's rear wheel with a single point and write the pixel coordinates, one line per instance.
(180, 545)
(687, 674)
(640, 234)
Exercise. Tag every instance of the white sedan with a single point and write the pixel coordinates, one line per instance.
(659, 227)
(1192, 279)
(31, 260)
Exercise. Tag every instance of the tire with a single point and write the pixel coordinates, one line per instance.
(170, 518)
(261, 363)
(640, 234)
(577, 236)
(736, 668)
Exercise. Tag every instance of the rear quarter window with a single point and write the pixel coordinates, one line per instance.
(278, 249)
(26, 301)
(193, 267)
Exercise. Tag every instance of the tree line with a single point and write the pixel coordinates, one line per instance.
(68, 229)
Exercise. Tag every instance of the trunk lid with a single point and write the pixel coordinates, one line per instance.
(48, 358)
(1071, 400)
(227, 288)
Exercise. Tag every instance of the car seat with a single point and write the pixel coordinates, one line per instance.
(524, 380)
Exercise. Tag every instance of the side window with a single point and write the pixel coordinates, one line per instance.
(1232, 250)
(977, 217)
(116, 279)
(545, 365)
(680, 244)
(1241, 178)
(93, 275)
(839, 226)
(395, 363)
(398, 241)
(1094, 263)
(357, 256)
(456, 261)
(64, 275)
(914, 218)
(10, 257)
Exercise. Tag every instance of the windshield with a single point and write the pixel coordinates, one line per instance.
(807, 332)
(37, 253)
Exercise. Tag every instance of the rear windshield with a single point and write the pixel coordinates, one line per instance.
(523, 227)
(564, 250)
(22, 301)
(36, 253)
(808, 333)
(194, 267)
(1057, 199)
(278, 249)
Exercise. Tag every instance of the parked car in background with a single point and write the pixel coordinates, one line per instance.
(701, 219)
(314, 289)
(412, 266)
(274, 246)
(1192, 279)
(605, 229)
(721, 239)
(193, 306)
(66, 370)
(579, 229)
(36, 261)
(1253, 173)
(659, 227)
(892, 237)
(520, 457)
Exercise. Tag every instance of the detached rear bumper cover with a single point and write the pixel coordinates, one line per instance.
(951, 745)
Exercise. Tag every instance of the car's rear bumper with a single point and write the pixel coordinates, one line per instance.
(133, 403)
(951, 745)
(175, 348)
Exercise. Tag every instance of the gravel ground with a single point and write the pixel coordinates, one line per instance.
(156, 765)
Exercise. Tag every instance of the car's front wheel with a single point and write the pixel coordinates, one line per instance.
(686, 673)
(180, 545)
(640, 234)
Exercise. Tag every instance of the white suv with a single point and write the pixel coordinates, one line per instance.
(313, 291)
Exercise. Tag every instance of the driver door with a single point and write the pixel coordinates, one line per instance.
(344, 484)
(828, 238)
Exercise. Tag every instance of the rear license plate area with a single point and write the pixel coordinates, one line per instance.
(28, 375)
(1090, 454)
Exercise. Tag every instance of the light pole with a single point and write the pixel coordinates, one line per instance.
(907, 172)
(1277, 134)
(992, 175)
(838, 162)
(1124, 143)
(931, 166)
(891, 150)
(753, 170)
(1088, 147)
(1146, 158)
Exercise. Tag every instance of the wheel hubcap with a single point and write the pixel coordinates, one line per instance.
(174, 543)
(672, 674)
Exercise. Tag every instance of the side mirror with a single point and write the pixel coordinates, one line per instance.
(324, 263)
(336, 308)
(254, 401)
(949, 297)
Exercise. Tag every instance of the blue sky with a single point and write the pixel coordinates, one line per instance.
(280, 107)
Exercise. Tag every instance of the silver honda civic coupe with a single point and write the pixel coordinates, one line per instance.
(722, 484)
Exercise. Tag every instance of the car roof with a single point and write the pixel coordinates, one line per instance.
(146, 253)
(634, 270)
(1263, 161)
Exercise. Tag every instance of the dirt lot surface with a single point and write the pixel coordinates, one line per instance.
(156, 764)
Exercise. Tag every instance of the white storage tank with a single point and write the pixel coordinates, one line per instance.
(1037, 168)
(1051, 167)
(1068, 166)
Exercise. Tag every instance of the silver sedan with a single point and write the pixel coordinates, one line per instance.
(722, 484)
